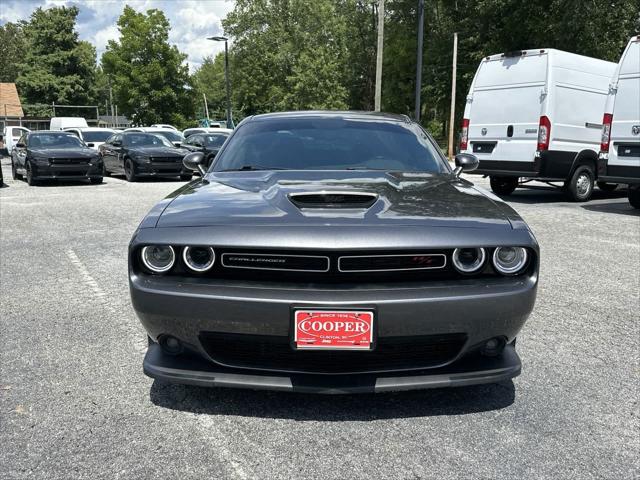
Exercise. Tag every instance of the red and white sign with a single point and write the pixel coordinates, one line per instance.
(344, 330)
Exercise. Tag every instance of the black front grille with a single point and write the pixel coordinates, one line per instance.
(264, 352)
(264, 261)
(383, 263)
(166, 159)
(68, 161)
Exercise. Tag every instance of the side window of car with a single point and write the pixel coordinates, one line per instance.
(198, 140)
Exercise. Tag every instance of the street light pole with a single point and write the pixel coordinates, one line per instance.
(419, 59)
(378, 90)
(226, 77)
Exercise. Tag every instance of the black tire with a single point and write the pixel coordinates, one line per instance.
(607, 187)
(30, 180)
(105, 172)
(633, 195)
(580, 186)
(503, 185)
(130, 171)
(14, 173)
(186, 177)
(96, 180)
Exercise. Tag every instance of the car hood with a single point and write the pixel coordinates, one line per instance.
(264, 198)
(159, 151)
(81, 152)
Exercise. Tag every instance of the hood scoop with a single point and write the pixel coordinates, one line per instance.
(333, 199)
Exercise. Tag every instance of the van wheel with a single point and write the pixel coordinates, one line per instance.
(503, 185)
(580, 187)
(634, 197)
(607, 187)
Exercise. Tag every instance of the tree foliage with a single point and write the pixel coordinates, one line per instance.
(150, 78)
(13, 45)
(55, 66)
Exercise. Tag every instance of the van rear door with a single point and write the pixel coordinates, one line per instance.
(505, 109)
(624, 150)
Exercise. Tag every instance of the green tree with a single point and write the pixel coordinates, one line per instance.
(150, 78)
(13, 42)
(209, 79)
(56, 66)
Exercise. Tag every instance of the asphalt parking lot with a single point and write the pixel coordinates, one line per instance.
(75, 404)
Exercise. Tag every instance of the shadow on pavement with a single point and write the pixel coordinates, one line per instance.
(621, 208)
(331, 408)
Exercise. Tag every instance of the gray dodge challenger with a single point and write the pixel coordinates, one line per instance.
(332, 252)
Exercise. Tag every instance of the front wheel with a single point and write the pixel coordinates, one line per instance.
(130, 171)
(634, 197)
(503, 185)
(607, 187)
(96, 180)
(105, 172)
(580, 186)
(31, 181)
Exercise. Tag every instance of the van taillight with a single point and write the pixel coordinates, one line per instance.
(606, 132)
(544, 133)
(464, 138)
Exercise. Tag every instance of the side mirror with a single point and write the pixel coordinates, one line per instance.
(177, 144)
(117, 143)
(20, 145)
(195, 161)
(465, 162)
(91, 145)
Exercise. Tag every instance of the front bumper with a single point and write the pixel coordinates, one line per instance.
(67, 171)
(192, 370)
(617, 174)
(161, 169)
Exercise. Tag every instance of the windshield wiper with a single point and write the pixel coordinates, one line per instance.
(251, 168)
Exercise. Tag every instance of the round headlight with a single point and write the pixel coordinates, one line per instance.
(158, 258)
(468, 260)
(199, 259)
(509, 260)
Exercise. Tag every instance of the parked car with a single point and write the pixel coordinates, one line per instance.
(10, 137)
(211, 129)
(332, 252)
(93, 137)
(619, 159)
(207, 143)
(164, 125)
(54, 155)
(141, 154)
(60, 123)
(535, 114)
(174, 137)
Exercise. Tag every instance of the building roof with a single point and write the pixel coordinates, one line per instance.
(10, 105)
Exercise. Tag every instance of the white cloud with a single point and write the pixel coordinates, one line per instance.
(192, 21)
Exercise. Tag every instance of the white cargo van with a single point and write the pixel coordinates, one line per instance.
(535, 114)
(60, 123)
(10, 137)
(619, 159)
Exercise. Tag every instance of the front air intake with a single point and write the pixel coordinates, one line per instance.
(333, 199)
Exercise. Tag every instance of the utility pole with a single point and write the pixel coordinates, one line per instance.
(113, 119)
(419, 58)
(378, 92)
(206, 108)
(452, 117)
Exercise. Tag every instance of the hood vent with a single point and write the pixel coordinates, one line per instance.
(333, 199)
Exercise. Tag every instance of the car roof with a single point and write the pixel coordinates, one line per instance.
(364, 115)
(32, 132)
(87, 129)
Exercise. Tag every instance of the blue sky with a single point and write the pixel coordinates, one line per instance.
(191, 21)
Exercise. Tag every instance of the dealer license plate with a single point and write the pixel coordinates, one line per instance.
(333, 329)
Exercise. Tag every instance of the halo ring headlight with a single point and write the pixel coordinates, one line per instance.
(199, 259)
(468, 260)
(510, 260)
(158, 258)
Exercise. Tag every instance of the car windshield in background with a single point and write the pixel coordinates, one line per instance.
(146, 140)
(330, 144)
(54, 140)
(170, 135)
(96, 136)
(215, 139)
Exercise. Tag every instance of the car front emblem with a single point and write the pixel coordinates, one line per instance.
(635, 130)
(483, 131)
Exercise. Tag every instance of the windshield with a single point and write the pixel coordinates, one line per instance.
(97, 136)
(215, 139)
(146, 140)
(329, 143)
(54, 140)
(170, 135)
